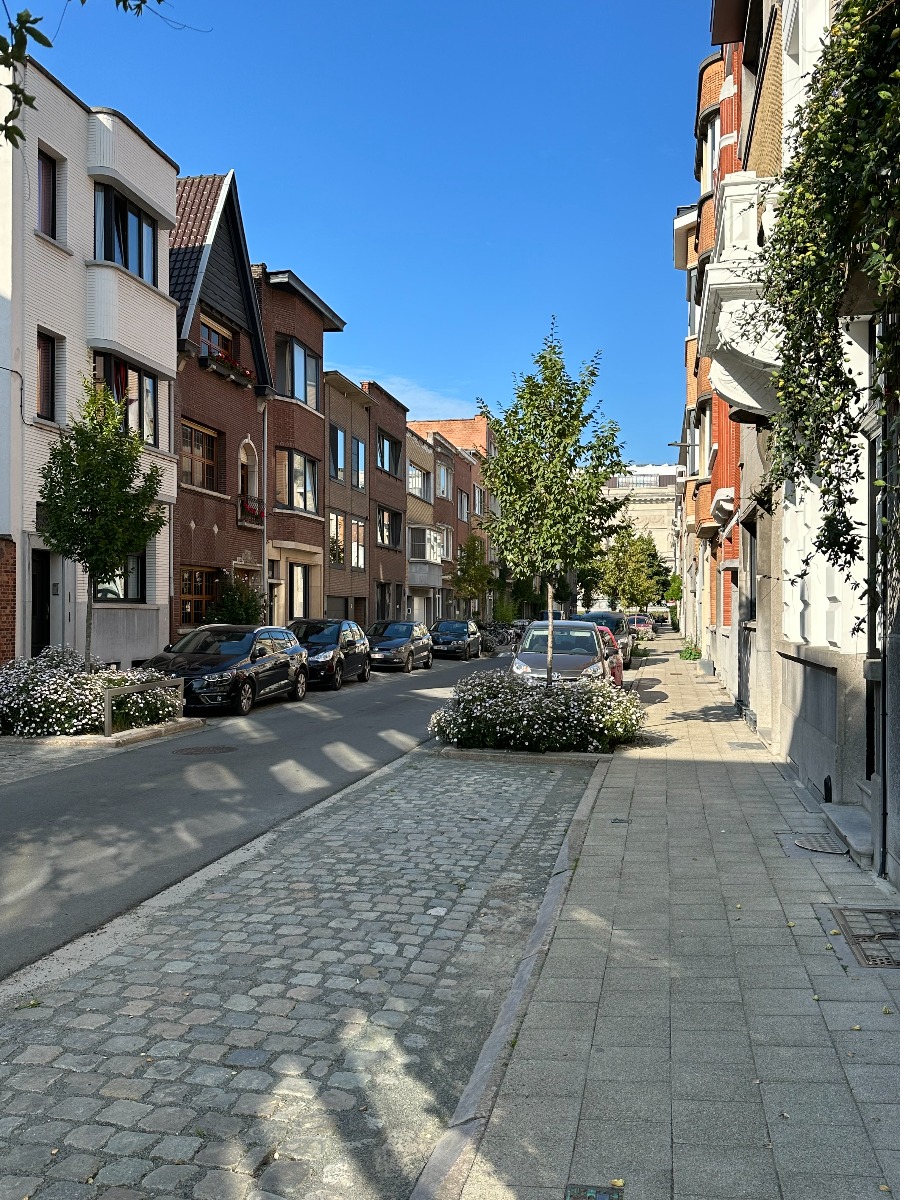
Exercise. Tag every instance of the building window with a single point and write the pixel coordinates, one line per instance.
(129, 586)
(46, 194)
(445, 483)
(297, 371)
(418, 482)
(197, 594)
(478, 500)
(337, 455)
(296, 481)
(298, 590)
(358, 464)
(124, 233)
(390, 528)
(199, 456)
(462, 505)
(447, 542)
(357, 543)
(390, 453)
(425, 544)
(137, 389)
(336, 538)
(46, 377)
(215, 340)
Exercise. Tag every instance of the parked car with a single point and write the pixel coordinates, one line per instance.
(558, 615)
(642, 624)
(459, 639)
(618, 626)
(235, 665)
(336, 650)
(578, 652)
(613, 656)
(403, 644)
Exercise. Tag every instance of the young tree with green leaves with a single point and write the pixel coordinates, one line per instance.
(99, 503)
(631, 573)
(553, 457)
(474, 574)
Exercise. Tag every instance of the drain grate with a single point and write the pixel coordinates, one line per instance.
(580, 1191)
(201, 751)
(873, 934)
(822, 843)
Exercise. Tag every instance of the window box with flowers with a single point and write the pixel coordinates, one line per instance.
(223, 364)
(251, 510)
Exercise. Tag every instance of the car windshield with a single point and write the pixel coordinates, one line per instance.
(612, 621)
(565, 641)
(214, 641)
(450, 627)
(315, 633)
(391, 629)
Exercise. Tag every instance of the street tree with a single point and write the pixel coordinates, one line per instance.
(474, 574)
(631, 573)
(25, 30)
(98, 502)
(553, 456)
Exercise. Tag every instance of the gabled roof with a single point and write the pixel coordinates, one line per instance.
(208, 205)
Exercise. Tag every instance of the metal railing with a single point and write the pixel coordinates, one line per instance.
(125, 689)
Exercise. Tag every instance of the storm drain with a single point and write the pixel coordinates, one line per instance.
(581, 1191)
(822, 843)
(873, 934)
(201, 751)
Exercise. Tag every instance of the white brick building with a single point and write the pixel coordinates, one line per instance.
(86, 203)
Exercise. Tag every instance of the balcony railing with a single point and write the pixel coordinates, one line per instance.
(251, 511)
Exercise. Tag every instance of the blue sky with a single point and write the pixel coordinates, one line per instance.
(446, 176)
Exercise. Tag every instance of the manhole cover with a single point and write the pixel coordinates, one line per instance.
(824, 843)
(580, 1191)
(200, 751)
(744, 745)
(873, 934)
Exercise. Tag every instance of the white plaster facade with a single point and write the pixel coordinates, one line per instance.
(56, 286)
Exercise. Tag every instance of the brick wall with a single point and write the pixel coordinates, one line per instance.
(764, 152)
(388, 565)
(7, 598)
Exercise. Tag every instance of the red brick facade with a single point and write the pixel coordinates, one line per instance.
(7, 598)
(387, 495)
(347, 502)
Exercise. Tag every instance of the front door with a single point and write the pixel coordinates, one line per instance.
(40, 601)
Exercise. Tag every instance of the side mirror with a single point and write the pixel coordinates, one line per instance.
(258, 652)
(167, 649)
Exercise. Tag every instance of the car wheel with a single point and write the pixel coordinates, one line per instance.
(466, 653)
(364, 674)
(298, 687)
(478, 651)
(244, 701)
(429, 659)
(337, 678)
(407, 664)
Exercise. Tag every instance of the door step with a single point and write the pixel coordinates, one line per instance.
(853, 825)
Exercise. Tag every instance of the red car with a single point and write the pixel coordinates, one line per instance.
(613, 656)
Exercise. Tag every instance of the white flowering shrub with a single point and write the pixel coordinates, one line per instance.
(493, 710)
(53, 694)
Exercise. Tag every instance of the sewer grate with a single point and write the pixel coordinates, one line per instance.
(822, 843)
(580, 1191)
(873, 934)
(200, 751)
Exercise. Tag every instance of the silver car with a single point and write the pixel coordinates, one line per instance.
(578, 653)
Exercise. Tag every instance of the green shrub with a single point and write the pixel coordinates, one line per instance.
(238, 603)
(673, 621)
(690, 651)
(493, 710)
(52, 694)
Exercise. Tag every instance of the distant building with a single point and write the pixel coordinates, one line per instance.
(652, 495)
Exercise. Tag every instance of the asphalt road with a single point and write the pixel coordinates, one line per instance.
(82, 845)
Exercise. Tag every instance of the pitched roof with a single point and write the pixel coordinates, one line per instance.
(197, 199)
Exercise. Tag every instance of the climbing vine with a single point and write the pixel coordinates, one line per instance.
(836, 238)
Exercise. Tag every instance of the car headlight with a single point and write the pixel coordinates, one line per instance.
(455, 644)
(594, 671)
(220, 677)
(325, 656)
(520, 668)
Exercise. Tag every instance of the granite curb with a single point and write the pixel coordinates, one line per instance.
(127, 737)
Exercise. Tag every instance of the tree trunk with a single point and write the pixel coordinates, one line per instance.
(89, 623)
(549, 634)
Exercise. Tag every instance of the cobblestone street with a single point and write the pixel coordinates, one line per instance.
(303, 1023)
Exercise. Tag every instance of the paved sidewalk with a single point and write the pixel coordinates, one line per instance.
(696, 1030)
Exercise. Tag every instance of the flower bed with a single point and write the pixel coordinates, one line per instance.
(54, 695)
(493, 710)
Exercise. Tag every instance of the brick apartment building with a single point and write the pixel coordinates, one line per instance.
(347, 500)
(424, 539)
(387, 503)
(221, 392)
(301, 454)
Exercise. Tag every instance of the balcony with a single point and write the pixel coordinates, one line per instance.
(709, 87)
(119, 154)
(251, 512)
(422, 574)
(704, 384)
(228, 368)
(706, 524)
(130, 318)
(705, 237)
(742, 361)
